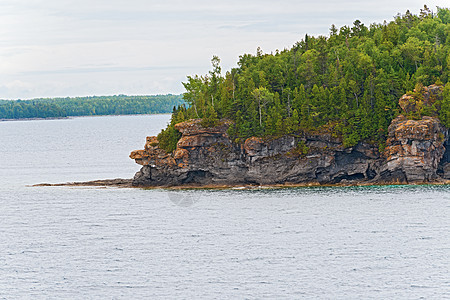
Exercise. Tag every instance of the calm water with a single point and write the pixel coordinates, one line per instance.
(304, 243)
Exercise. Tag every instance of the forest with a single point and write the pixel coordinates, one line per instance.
(347, 83)
(88, 106)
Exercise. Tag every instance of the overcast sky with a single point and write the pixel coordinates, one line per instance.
(51, 48)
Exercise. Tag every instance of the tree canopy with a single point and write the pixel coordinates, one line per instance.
(347, 83)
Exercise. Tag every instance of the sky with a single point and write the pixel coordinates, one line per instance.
(61, 48)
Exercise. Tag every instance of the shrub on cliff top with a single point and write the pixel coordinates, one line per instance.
(168, 139)
(210, 118)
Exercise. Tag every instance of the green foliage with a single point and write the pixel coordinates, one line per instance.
(351, 80)
(301, 149)
(434, 106)
(444, 113)
(444, 15)
(88, 106)
(210, 119)
(351, 139)
(168, 138)
(27, 110)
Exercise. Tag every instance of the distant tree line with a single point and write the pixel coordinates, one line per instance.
(88, 106)
(347, 83)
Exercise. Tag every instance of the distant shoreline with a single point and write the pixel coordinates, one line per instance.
(35, 119)
(61, 108)
(73, 117)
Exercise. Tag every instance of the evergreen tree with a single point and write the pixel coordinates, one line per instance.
(349, 82)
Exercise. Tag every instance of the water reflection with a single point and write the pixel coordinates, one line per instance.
(183, 198)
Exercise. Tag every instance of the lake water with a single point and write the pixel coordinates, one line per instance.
(108, 243)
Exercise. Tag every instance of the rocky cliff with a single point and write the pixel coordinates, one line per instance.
(414, 150)
(417, 151)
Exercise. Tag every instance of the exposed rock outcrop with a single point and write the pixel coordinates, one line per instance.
(416, 152)
(203, 156)
(427, 97)
(414, 149)
(206, 156)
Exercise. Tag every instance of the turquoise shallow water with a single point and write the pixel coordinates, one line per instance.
(95, 243)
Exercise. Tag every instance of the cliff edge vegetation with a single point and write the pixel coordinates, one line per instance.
(417, 151)
(347, 84)
(365, 105)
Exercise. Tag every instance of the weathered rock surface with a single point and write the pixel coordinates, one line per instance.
(203, 156)
(414, 149)
(417, 151)
(430, 94)
(206, 156)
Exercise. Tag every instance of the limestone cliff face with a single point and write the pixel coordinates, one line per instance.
(203, 156)
(417, 151)
(414, 149)
(206, 156)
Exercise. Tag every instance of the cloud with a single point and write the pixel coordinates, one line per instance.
(71, 47)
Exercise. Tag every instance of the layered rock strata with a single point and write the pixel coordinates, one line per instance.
(416, 151)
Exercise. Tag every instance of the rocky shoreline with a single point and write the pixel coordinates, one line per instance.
(118, 182)
(128, 183)
(417, 151)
